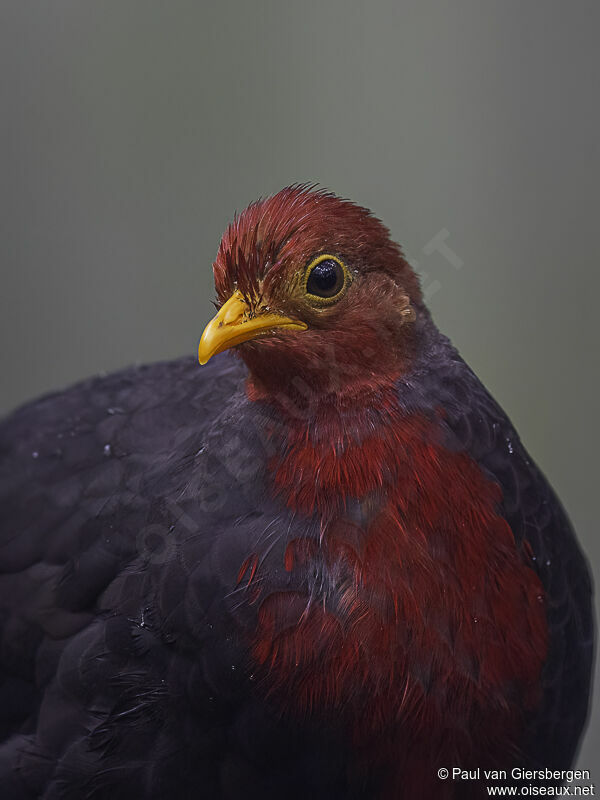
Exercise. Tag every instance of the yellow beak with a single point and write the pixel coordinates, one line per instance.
(236, 323)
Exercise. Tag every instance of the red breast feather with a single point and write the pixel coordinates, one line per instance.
(424, 619)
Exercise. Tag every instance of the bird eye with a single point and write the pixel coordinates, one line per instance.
(326, 277)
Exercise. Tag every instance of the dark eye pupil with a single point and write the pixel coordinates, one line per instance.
(326, 279)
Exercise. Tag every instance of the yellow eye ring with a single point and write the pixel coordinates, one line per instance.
(326, 279)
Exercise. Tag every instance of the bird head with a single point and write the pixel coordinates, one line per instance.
(312, 291)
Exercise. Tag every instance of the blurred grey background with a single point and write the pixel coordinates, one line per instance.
(131, 131)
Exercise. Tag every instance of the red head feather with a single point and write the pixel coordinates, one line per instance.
(265, 252)
(296, 224)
